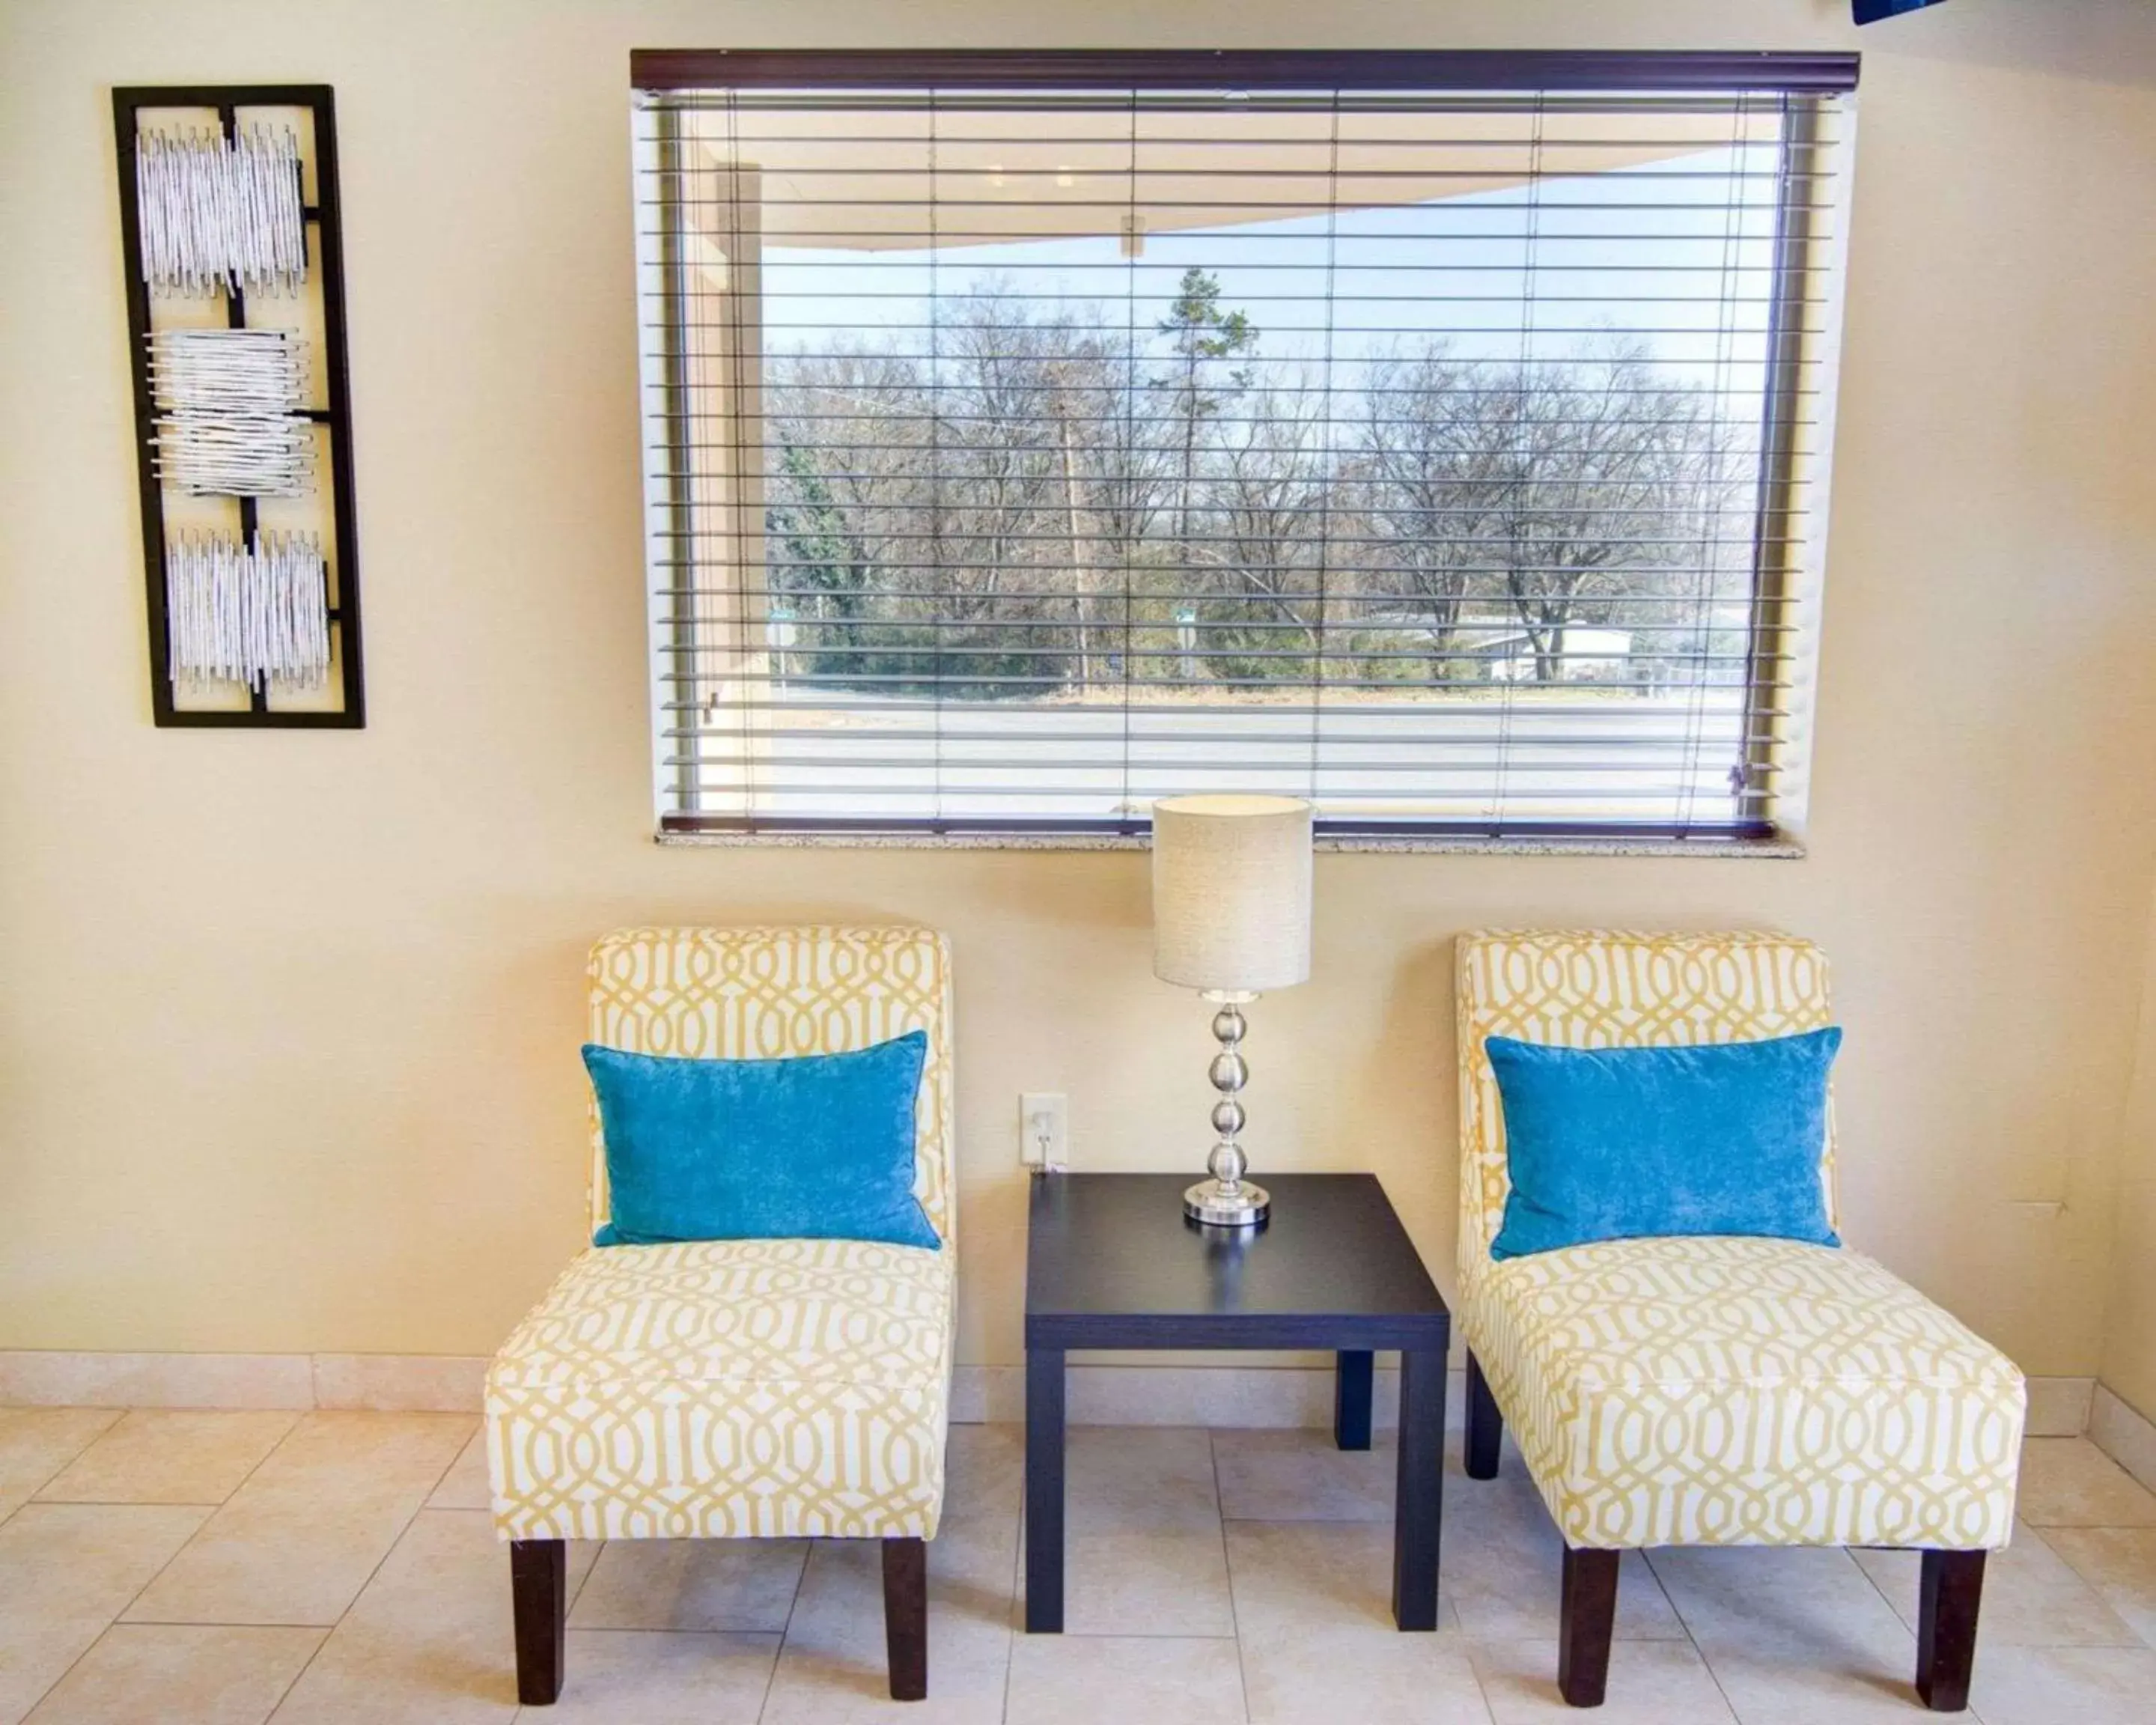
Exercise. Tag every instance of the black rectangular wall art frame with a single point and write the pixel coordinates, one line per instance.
(310, 309)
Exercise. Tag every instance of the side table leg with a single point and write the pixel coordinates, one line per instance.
(1352, 1379)
(1044, 1491)
(1419, 1498)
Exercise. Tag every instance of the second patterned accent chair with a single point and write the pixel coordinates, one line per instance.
(741, 1390)
(1713, 1391)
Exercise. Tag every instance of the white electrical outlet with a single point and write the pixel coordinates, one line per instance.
(1044, 1130)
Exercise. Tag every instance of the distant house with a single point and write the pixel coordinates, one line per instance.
(1501, 652)
(1584, 654)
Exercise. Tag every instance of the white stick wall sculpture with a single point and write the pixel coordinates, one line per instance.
(219, 212)
(255, 617)
(230, 420)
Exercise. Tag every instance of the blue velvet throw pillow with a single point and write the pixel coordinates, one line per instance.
(1617, 1143)
(816, 1147)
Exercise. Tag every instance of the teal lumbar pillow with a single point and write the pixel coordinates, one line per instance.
(819, 1147)
(1619, 1143)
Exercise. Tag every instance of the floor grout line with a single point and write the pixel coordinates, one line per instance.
(2142, 1638)
(68, 1461)
(1013, 1628)
(1705, 1664)
(583, 1581)
(1474, 1671)
(1881, 1590)
(360, 1592)
(44, 1694)
(785, 1630)
(261, 1462)
(188, 1622)
(1065, 1636)
(132, 1502)
(306, 1666)
(111, 1622)
(631, 1629)
(1227, 1570)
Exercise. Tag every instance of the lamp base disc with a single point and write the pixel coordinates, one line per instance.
(1246, 1207)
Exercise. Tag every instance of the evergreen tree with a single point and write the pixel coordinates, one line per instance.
(1202, 335)
(1200, 330)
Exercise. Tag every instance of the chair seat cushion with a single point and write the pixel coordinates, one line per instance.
(728, 1388)
(1723, 1391)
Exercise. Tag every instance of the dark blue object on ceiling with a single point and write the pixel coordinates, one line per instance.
(1869, 12)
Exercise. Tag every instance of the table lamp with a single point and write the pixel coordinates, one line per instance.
(1230, 918)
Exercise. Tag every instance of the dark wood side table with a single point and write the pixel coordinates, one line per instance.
(1112, 1263)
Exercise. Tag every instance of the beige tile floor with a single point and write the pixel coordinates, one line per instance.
(226, 1568)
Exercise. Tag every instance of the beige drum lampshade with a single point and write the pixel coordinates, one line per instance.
(1231, 892)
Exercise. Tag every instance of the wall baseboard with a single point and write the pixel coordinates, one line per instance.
(402, 1383)
(2059, 1407)
(2121, 1433)
(39, 1378)
(1265, 1396)
(1099, 1394)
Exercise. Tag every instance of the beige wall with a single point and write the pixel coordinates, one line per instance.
(2129, 1343)
(288, 1021)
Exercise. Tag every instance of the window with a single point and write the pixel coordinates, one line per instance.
(1440, 437)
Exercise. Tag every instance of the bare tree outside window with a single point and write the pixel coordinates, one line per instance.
(1449, 502)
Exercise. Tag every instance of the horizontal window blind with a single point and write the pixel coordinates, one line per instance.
(1023, 444)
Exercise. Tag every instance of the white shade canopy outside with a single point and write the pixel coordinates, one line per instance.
(1231, 892)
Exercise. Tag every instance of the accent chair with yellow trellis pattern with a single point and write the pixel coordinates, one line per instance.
(1713, 1390)
(751, 1388)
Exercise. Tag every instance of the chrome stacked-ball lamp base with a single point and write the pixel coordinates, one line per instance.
(1228, 1200)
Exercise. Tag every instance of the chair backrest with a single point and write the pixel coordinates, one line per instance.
(756, 994)
(1588, 989)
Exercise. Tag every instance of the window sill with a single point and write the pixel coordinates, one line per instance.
(1778, 848)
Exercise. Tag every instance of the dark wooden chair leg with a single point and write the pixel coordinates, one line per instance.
(1585, 1621)
(1952, 1593)
(539, 1588)
(906, 1617)
(1485, 1425)
(1353, 1378)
